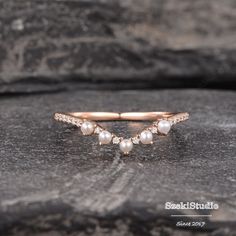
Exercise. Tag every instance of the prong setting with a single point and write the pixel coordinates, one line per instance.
(146, 137)
(104, 137)
(126, 146)
(164, 126)
(89, 127)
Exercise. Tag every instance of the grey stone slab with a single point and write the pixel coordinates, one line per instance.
(171, 43)
(53, 181)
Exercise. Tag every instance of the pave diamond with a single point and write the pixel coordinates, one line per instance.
(154, 130)
(155, 123)
(98, 130)
(77, 122)
(116, 140)
(135, 140)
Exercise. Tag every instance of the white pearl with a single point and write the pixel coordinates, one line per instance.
(146, 137)
(164, 126)
(87, 128)
(126, 146)
(104, 137)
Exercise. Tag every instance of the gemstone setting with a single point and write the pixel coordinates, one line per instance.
(146, 137)
(104, 137)
(87, 128)
(116, 140)
(135, 140)
(126, 146)
(164, 126)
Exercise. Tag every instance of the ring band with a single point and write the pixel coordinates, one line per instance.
(87, 121)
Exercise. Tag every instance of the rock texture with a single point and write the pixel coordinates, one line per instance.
(163, 43)
(53, 181)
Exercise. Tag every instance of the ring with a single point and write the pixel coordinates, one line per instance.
(87, 122)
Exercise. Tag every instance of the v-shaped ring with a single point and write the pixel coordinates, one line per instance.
(87, 121)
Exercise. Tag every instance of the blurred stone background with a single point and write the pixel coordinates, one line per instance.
(116, 55)
(50, 45)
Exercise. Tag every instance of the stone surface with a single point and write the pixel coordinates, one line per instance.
(54, 181)
(146, 43)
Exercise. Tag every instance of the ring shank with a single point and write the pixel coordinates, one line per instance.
(128, 116)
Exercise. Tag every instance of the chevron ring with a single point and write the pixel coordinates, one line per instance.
(87, 122)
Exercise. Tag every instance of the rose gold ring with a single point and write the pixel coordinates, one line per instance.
(87, 121)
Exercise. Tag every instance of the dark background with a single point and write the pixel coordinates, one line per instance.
(54, 45)
(101, 55)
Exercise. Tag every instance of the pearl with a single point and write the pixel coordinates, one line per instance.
(104, 137)
(126, 146)
(146, 137)
(164, 126)
(87, 128)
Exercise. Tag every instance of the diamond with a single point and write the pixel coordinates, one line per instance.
(135, 140)
(78, 122)
(116, 140)
(64, 118)
(69, 119)
(98, 130)
(155, 123)
(154, 130)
